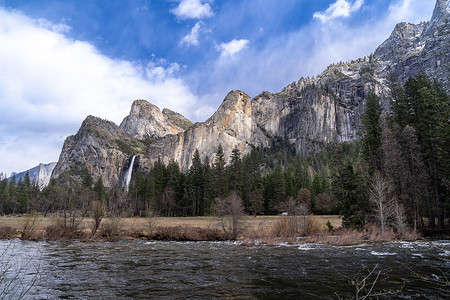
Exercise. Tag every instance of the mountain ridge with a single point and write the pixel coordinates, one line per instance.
(309, 112)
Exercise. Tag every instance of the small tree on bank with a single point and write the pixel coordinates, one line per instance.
(229, 211)
(380, 197)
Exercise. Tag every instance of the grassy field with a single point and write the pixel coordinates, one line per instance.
(128, 226)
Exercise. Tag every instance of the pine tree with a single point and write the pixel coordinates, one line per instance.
(195, 187)
(279, 189)
(220, 183)
(22, 196)
(349, 188)
(426, 106)
(415, 177)
(235, 171)
(372, 132)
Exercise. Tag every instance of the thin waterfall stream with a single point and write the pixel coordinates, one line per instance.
(129, 173)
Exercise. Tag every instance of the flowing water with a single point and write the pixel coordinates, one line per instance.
(217, 270)
(129, 173)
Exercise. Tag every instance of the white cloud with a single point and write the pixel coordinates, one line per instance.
(192, 9)
(341, 8)
(231, 48)
(49, 84)
(191, 39)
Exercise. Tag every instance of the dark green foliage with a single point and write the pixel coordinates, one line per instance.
(235, 172)
(220, 182)
(196, 185)
(350, 188)
(371, 128)
(132, 147)
(100, 189)
(424, 105)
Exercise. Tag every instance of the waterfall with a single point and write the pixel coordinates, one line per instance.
(129, 173)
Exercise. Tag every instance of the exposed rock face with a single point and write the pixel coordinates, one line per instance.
(420, 48)
(310, 112)
(39, 175)
(101, 148)
(231, 125)
(147, 121)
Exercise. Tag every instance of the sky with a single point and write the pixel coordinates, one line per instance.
(61, 61)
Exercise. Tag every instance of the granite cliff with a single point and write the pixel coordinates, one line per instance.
(39, 175)
(309, 112)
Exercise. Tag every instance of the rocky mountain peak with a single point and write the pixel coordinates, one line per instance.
(440, 16)
(404, 37)
(146, 120)
(234, 115)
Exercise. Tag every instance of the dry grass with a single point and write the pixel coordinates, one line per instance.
(269, 230)
(177, 228)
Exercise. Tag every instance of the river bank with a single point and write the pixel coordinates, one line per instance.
(270, 230)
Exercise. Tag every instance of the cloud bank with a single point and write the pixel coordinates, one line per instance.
(50, 83)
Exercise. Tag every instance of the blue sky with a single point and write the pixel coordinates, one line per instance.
(63, 60)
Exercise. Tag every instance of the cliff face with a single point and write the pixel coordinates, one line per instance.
(420, 48)
(39, 175)
(309, 112)
(231, 126)
(101, 148)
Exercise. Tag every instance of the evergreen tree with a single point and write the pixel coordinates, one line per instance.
(220, 183)
(22, 196)
(425, 106)
(372, 132)
(349, 188)
(301, 173)
(235, 171)
(279, 189)
(100, 189)
(5, 206)
(415, 178)
(196, 186)
(208, 192)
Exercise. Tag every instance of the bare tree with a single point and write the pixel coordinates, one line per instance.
(400, 218)
(98, 211)
(380, 196)
(322, 203)
(365, 281)
(304, 203)
(230, 211)
(152, 218)
(293, 209)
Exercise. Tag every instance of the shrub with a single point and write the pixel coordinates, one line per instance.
(7, 232)
(110, 229)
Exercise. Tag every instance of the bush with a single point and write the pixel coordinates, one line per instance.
(7, 232)
(110, 229)
(61, 231)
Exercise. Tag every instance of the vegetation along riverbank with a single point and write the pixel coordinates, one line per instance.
(250, 230)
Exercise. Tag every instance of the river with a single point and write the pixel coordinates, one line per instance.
(218, 270)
